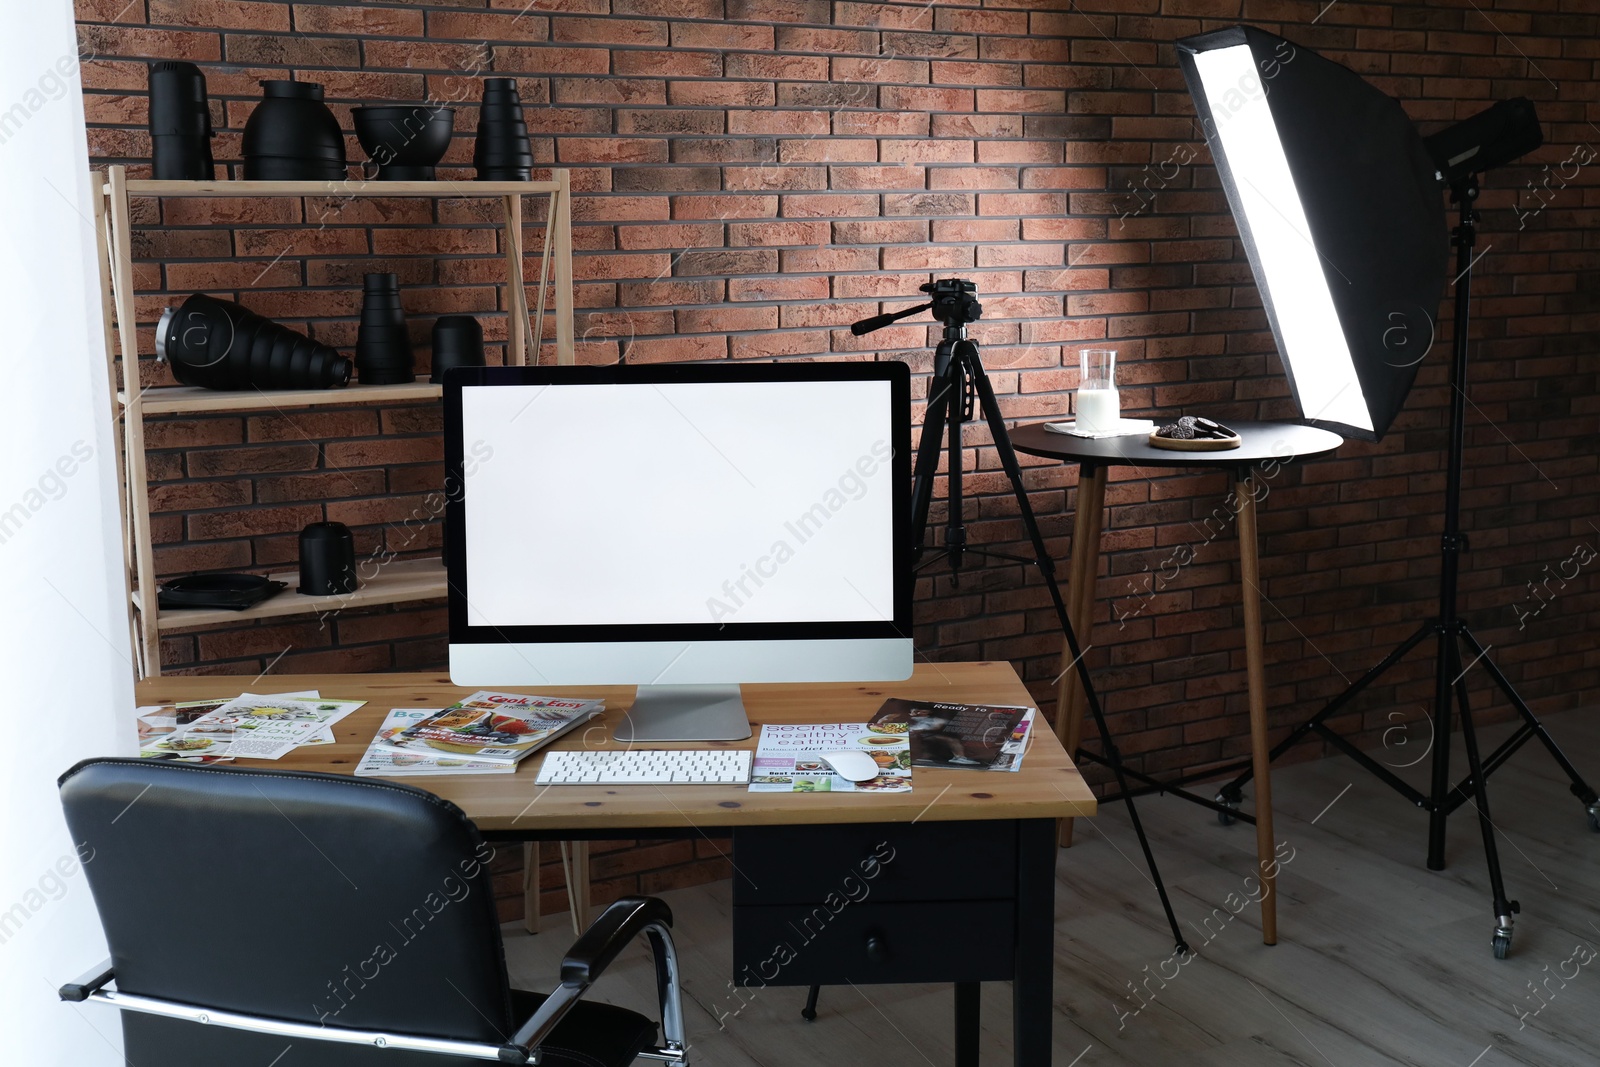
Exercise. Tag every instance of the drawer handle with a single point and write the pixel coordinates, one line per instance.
(877, 948)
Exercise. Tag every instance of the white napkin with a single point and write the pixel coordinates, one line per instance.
(1123, 428)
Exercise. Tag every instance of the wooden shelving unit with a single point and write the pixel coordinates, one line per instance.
(397, 581)
(192, 400)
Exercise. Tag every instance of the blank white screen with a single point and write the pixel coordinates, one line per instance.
(646, 504)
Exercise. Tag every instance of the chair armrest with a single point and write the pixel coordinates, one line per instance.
(608, 935)
(79, 989)
(591, 954)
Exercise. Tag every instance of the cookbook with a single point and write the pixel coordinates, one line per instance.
(383, 762)
(989, 737)
(493, 727)
(788, 759)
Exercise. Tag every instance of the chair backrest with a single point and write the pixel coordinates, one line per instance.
(314, 898)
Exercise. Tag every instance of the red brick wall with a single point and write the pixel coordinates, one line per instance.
(754, 174)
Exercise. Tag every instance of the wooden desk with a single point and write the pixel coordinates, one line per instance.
(880, 940)
(1263, 444)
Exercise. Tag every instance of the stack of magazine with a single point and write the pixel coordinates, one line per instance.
(979, 737)
(790, 758)
(249, 725)
(903, 734)
(486, 733)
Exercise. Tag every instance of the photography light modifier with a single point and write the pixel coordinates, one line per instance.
(1316, 356)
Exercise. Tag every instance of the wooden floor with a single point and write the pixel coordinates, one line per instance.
(1380, 961)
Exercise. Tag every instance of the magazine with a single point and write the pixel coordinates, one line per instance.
(383, 762)
(1012, 751)
(493, 727)
(788, 759)
(157, 724)
(254, 727)
(973, 736)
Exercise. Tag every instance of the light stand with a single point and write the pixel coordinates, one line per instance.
(1453, 635)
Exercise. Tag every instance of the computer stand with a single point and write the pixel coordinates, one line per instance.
(684, 713)
(1454, 637)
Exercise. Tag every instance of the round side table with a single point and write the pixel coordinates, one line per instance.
(1262, 443)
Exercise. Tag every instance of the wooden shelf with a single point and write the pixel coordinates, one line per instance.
(348, 187)
(179, 399)
(397, 582)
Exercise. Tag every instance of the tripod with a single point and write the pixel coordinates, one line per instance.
(1454, 636)
(959, 386)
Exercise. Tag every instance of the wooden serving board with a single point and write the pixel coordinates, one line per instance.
(1195, 444)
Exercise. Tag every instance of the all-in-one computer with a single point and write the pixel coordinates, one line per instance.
(682, 528)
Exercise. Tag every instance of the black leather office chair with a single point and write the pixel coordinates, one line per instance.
(263, 917)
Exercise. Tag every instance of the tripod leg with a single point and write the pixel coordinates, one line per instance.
(1580, 788)
(927, 465)
(1256, 683)
(1503, 909)
(1087, 523)
(809, 1012)
(1008, 461)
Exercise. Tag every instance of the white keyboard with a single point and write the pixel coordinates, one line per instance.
(682, 766)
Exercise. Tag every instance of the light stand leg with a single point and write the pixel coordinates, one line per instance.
(1450, 542)
(1580, 788)
(1008, 461)
(1439, 788)
(1256, 683)
(1233, 791)
(1088, 521)
(1478, 794)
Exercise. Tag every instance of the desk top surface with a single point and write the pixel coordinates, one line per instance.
(1048, 785)
(1259, 442)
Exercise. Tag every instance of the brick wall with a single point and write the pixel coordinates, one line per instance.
(755, 174)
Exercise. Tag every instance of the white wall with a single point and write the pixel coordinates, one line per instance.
(65, 670)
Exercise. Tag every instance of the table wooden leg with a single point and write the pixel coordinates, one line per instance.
(1088, 520)
(530, 886)
(575, 865)
(1256, 680)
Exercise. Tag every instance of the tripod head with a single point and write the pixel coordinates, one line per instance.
(954, 302)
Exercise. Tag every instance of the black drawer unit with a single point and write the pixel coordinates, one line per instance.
(875, 862)
(945, 941)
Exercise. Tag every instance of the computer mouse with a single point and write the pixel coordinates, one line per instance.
(854, 766)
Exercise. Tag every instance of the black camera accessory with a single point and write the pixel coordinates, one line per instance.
(232, 592)
(292, 136)
(383, 343)
(218, 344)
(457, 342)
(404, 141)
(503, 152)
(327, 559)
(180, 122)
